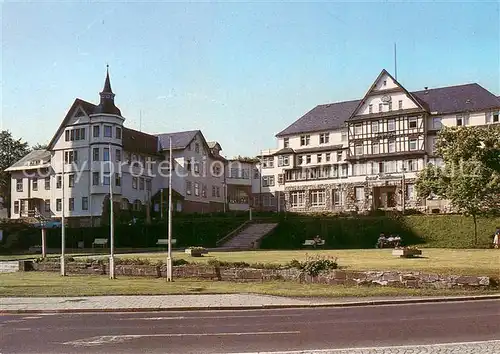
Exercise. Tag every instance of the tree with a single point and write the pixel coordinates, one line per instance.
(11, 151)
(39, 146)
(470, 178)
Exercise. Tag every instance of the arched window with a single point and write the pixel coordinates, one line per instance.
(124, 204)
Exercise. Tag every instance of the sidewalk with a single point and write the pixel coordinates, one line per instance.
(200, 302)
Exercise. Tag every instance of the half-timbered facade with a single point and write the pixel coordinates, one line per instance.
(365, 154)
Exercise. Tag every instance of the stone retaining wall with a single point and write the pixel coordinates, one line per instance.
(335, 277)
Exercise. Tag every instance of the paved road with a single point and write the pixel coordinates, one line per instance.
(261, 330)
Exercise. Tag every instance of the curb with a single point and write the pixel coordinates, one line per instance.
(263, 307)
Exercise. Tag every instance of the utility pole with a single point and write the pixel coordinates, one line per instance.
(111, 222)
(63, 222)
(169, 256)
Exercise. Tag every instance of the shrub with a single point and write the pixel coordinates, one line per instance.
(315, 265)
(178, 262)
(217, 263)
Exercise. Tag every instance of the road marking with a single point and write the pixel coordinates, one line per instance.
(377, 349)
(32, 317)
(100, 340)
(14, 321)
(202, 317)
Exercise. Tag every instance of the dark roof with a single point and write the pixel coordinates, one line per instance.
(463, 98)
(284, 151)
(323, 117)
(25, 163)
(139, 142)
(319, 149)
(107, 103)
(180, 140)
(451, 99)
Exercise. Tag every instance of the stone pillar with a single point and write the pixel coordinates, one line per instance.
(44, 243)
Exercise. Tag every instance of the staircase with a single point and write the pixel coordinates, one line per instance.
(248, 237)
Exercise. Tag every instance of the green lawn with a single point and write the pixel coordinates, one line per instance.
(443, 261)
(52, 284)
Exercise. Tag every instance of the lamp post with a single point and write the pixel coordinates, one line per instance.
(63, 226)
(169, 255)
(403, 192)
(111, 222)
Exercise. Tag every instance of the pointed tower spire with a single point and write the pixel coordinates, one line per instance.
(107, 103)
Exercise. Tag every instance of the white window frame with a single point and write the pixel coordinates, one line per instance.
(297, 199)
(358, 129)
(358, 150)
(413, 141)
(359, 193)
(393, 144)
(318, 198)
(391, 125)
(411, 121)
(324, 138)
(305, 140)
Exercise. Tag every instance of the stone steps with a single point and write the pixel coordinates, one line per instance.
(248, 236)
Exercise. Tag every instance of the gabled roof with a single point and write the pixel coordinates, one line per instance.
(139, 142)
(86, 106)
(180, 140)
(443, 100)
(323, 117)
(42, 157)
(382, 73)
(212, 144)
(462, 98)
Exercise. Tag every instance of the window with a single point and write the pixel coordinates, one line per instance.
(391, 125)
(496, 118)
(108, 131)
(324, 138)
(134, 182)
(360, 193)
(197, 148)
(374, 127)
(327, 157)
(95, 154)
(392, 146)
(82, 133)
(118, 180)
(85, 203)
(380, 105)
(358, 129)
(339, 156)
(436, 123)
(118, 156)
(46, 205)
(196, 167)
(105, 154)
(412, 165)
(95, 178)
(337, 200)
(74, 134)
(319, 157)
(58, 182)
(413, 144)
(286, 142)
(297, 199)
(410, 191)
(196, 189)
(213, 191)
(256, 173)
(106, 180)
(35, 184)
(47, 183)
(141, 184)
(58, 204)
(308, 158)
(66, 135)
(343, 136)
(148, 185)
(71, 180)
(71, 205)
(204, 191)
(96, 131)
(268, 162)
(384, 83)
(281, 178)
(462, 120)
(390, 106)
(318, 198)
(400, 104)
(267, 181)
(188, 187)
(118, 133)
(300, 160)
(218, 192)
(304, 140)
(70, 157)
(77, 134)
(358, 150)
(19, 184)
(283, 160)
(370, 108)
(412, 123)
(343, 172)
(16, 207)
(375, 148)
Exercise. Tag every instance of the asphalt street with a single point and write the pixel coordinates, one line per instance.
(242, 331)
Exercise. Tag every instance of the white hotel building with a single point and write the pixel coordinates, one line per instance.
(74, 172)
(365, 154)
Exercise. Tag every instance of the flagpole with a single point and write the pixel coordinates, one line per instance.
(169, 256)
(63, 223)
(112, 221)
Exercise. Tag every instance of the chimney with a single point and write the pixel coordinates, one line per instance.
(426, 90)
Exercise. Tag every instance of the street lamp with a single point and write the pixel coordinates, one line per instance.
(63, 223)
(169, 255)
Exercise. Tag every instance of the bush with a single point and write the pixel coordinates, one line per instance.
(315, 265)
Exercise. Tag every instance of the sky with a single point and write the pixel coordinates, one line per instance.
(238, 71)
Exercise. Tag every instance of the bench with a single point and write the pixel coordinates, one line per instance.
(164, 241)
(314, 243)
(100, 241)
